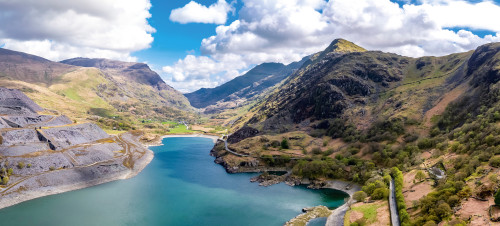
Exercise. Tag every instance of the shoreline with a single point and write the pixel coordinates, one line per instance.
(160, 140)
(337, 215)
(68, 180)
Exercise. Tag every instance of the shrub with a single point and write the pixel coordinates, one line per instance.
(359, 196)
(20, 165)
(5, 180)
(316, 151)
(10, 171)
(328, 152)
(497, 198)
(52, 168)
(425, 143)
(284, 144)
(29, 165)
(495, 161)
(380, 193)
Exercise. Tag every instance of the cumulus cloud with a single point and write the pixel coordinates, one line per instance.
(63, 29)
(194, 12)
(287, 30)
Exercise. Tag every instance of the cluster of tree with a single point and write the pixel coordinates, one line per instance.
(467, 128)
(376, 188)
(273, 161)
(438, 205)
(348, 168)
(384, 130)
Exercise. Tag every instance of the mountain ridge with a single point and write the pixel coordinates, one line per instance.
(119, 95)
(244, 87)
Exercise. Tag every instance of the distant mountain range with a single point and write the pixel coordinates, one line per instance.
(242, 88)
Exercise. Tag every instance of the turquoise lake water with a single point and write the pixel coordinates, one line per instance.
(181, 186)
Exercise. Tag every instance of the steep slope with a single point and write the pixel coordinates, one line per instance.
(135, 80)
(365, 116)
(358, 86)
(43, 154)
(120, 96)
(29, 68)
(242, 88)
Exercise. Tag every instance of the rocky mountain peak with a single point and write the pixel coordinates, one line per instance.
(343, 46)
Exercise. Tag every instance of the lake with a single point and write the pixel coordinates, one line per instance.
(181, 186)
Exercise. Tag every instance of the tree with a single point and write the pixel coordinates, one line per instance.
(443, 210)
(420, 175)
(380, 193)
(497, 198)
(359, 196)
(284, 144)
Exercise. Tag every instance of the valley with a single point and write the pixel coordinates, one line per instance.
(344, 118)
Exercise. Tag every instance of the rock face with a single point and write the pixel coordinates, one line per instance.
(241, 134)
(49, 154)
(14, 102)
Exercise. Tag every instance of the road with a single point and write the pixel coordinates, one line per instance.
(232, 152)
(392, 205)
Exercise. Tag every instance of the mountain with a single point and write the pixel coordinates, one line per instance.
(115, 95)
(242, 88)
(136, 80)
(360, 86)
(366, 116)
(29, 68)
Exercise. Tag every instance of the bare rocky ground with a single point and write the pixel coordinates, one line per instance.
(49, 154)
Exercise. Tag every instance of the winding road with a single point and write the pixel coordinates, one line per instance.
(232, 152)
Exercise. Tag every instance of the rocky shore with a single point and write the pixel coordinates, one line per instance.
(250, 164)
(63, 180)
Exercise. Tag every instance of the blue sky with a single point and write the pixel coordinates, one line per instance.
(174, 40)
(239, 34)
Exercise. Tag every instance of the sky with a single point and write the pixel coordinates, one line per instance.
(204, 43)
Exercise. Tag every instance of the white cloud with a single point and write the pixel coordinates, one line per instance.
(59, 30)
(287, 30)
(194, 12)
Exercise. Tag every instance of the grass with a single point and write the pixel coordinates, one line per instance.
(369, 212)
(180, 128)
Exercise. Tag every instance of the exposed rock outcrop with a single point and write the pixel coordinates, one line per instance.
(48, 154)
